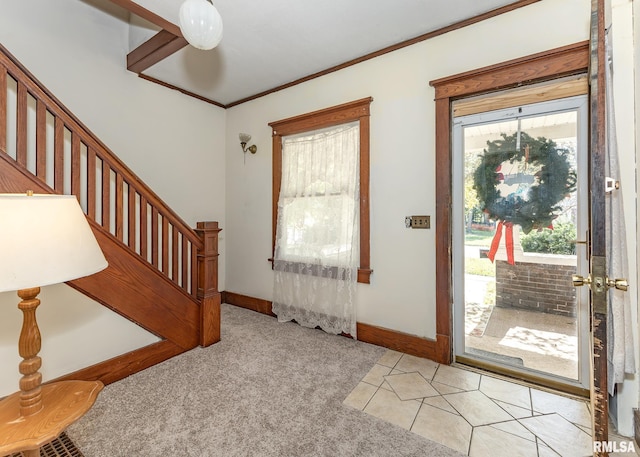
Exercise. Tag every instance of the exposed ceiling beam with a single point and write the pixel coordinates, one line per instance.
(149, 16)
(161, 45)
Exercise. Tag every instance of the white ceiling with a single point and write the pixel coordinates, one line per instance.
(268, 43)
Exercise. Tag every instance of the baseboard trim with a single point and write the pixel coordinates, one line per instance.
(120, 367)
(406, 343)
(244, 301)
(438, 350)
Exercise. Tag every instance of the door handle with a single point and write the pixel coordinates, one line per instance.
(579, 281)
(620, 284)
(597, 284)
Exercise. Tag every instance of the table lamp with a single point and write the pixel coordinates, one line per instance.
(44, 239)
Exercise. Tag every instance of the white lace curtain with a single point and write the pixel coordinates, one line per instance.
(620, 353)
(317, 234)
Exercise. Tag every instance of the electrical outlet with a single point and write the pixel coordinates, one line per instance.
(423, 222)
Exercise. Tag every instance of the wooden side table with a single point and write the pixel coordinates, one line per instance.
(37, 413)
(63, 403)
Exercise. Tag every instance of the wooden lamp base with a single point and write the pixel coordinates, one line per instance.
(37, 414)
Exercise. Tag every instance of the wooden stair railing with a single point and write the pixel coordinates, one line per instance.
(162, 273)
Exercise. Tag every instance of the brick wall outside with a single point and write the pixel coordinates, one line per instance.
(536, 287)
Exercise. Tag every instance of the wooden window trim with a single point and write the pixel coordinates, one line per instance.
(357, 110)
(565, 61)
(536, 93)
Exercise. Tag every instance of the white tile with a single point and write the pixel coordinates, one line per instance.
(445, 389)
(623, 447)
(575, 411)
(387, 406)
(473, 413)
(515, 428)
(457, 377)
(477, 408)
(544, 451)
(441, 403)
(559, 434)
(489, 441)
(376, 375)
(427, 368)
(443, 427)
(587, 430)
(390, 358)
(515, 411)
(360, 395)
(410, 386)
(508, 392)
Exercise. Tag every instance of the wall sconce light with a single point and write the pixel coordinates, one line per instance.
(244, 139)
(200, 24)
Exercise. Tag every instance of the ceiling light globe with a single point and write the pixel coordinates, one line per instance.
(200, 24)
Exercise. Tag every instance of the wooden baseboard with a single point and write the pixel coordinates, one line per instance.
(409, 344)
(120, 367)
(244, 301)
(438, 350)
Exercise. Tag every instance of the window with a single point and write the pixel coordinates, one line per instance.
(350, 115)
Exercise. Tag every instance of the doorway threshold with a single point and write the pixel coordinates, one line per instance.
(515, 374)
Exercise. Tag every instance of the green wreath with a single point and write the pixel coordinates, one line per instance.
(555, 179)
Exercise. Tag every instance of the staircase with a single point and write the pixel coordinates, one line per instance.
(162, 274)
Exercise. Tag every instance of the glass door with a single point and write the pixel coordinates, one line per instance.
(520, 223)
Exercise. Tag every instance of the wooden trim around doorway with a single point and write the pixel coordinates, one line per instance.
(556, 63)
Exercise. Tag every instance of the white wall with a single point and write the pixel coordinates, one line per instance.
(401, 295)
(174, 143)
(76, 332)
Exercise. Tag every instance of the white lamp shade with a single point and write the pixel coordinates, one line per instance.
(201, 24)
(45, 239)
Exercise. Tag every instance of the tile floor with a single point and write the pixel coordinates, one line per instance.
(474, 413)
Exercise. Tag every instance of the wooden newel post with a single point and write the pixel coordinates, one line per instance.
(208, 294)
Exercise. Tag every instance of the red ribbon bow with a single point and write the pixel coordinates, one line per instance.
(508, 241)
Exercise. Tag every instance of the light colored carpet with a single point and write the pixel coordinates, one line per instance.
(267, 389)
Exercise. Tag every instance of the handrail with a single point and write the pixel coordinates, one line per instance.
(64, 154)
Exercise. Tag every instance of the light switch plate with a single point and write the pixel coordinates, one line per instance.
(423, 222)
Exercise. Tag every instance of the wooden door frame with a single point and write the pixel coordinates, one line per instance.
(556, 63)
(598, 242)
